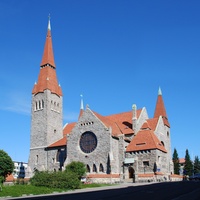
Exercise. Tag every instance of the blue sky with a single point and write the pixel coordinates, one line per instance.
(114, 52)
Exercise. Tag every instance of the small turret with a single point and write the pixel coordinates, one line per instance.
(134, 118)
(81, 107)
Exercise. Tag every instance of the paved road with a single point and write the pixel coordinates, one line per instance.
(155, 191)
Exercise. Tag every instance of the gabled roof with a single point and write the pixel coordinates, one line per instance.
(120, 123)
(152, 123)
(145, 140)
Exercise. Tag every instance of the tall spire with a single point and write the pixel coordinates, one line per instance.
(160, 108)
(81, 107)
(47, 77)
(48, 57)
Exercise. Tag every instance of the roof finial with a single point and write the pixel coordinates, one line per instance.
(82, 107)
(159, 91)
(49, 25)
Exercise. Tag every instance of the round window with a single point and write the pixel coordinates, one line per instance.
(88, 142)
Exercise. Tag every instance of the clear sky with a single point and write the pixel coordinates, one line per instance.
(114, 52)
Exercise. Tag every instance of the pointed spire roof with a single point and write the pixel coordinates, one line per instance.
(160, 108)
(48, 57)
(47, 77)
(81, 107)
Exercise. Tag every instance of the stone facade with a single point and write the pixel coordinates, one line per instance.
(115, 148)
(46, 128)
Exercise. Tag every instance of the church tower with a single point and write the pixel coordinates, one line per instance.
(160, 112)
(46, 110)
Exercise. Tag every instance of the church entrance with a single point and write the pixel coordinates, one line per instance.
(131, 172)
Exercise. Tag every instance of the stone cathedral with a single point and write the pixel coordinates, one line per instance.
(115, 148)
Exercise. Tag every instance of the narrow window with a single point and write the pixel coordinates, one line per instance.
(94, 168)
(36, 106)
(101, 168)
(58, 156)
(88, 168)
(37, 159)
(42, 103)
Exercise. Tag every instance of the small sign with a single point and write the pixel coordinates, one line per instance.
(129, 160)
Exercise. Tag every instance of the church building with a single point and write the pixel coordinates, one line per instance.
(115, 148)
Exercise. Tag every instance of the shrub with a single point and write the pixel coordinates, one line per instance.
(58, 179)
(77, 168)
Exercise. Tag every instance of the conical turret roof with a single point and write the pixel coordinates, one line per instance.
(160, 108)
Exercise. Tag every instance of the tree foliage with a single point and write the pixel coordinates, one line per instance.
(175, 159)
(57, 179)
(188, 168)
(196, 165)
(6, 164)
(77, 168)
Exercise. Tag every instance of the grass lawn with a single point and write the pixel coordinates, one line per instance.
(19, 190)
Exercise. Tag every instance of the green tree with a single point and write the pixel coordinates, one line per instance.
(76, 167)
(175, 159)
(6, 165)
(196, 165)
(188, 168)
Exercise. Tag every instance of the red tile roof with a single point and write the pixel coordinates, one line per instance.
(103, 175)
(9, 178)
(47, 77)
(48, 57)
(145, 140)
(120, 123)
(68, 128)
(152, 123)
(145, 175)
(160, 110)
(181, 160)
(61, 142)
(47, 80)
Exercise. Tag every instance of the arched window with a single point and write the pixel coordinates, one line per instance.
(101, 169)
(162, 143)
(37, 158)
(39, 105)
(88, 168)
(58, 156)
(94, 168)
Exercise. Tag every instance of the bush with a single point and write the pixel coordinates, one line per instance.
(58, 179)
(77, 168)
